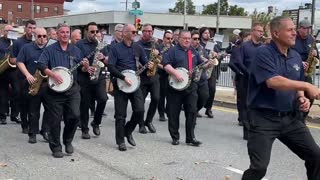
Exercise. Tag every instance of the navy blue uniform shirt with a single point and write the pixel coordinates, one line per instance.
(4, 47)
(202, 52)
(269, 63)
(302, 46)
(86, 48)
(248, 52)
(54, 56)
(125, 57)
(18, 44)
(29, 55)
(235, 60)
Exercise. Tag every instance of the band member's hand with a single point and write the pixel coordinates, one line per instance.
(304, 104)
(214, 54)
(313, 92)
(57, 78)
(178, 77)
(91, 69)
(150, 64)
(314, 53)
(128, 81)
(85, 63)
(305, 65)
(101, 57)
(106, 59)
(30, 79)
(210, 64)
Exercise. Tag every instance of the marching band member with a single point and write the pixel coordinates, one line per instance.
(182, 55)
(75, 36)
(62, 105)
(52, 33)
(149, 84)
(26, 62)
(117, 37)
(163, 76)
(91, 89)
(5, 48)
(124, 56)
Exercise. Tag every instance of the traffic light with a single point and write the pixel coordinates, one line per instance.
(138, 24)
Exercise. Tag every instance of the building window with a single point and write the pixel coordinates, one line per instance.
(56, 10)
(9, 12)
(19, 7)
(38, 9)
(46, 9)
(0, 6)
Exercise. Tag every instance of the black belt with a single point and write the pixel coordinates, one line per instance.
(274, 112)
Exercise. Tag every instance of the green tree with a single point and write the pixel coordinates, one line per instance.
(179, 7)
(237, 11)
(225, 9)
(261, 17)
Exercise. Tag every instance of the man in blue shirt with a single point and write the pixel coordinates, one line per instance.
(91, 90)
(125, 56)
(5, 77)
(182, 55)
(149, 84)
(276, 89)
(62, 105)
(26, 62)
(19, 105)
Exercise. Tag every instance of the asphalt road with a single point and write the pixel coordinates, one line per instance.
(223, 153)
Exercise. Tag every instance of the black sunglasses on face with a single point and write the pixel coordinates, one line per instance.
(195, 39)
(169, 38)
(44, 36)
(94, 31)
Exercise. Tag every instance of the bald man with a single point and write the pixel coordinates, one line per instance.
(27, 63)
(4, 50)
(75, 36)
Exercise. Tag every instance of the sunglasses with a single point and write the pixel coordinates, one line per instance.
(196, 39)
(169, 38)
(94, 31)
(40, 36)
(147, 31)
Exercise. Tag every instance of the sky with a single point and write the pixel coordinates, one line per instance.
(162, 6)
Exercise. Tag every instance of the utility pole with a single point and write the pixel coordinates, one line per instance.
(313, 11)
(184, 14)
(126, 4)
(218, 17)
(32, 10)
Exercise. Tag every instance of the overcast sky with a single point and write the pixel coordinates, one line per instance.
(84, 6)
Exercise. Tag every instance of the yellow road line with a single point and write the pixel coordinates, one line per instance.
(230, 110)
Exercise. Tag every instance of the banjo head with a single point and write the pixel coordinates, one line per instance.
(130, 74)
(179, 86)
(67, 80)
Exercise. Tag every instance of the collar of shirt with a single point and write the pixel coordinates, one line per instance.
(183, 49)
(58, 47)
(125, 45)
(86, 41)
(275, 47)
(254, 44)
(35, 45)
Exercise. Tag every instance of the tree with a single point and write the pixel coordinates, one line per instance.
(225, 9)
(179, 7)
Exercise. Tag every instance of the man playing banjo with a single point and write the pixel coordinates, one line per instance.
(64, 103)
(125, 56)
(182, 56)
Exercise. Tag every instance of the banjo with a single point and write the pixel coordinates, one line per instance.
(134, 77)
(66, 75)
(180, 86)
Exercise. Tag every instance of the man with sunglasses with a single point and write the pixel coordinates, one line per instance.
(163, 75)
(125, 56)
(149, 84)
(91, 89)
(5, 48)
(17, 104)
(26, 62)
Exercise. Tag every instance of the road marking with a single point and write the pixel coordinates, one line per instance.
(238, 171)
(230, 110)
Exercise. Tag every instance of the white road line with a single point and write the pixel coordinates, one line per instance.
(238, 171)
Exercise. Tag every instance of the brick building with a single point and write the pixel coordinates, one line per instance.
(16, 11)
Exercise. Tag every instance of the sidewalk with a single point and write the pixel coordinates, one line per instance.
(226, 97)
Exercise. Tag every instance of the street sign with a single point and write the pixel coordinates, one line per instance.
(136, 12)
(135, 5)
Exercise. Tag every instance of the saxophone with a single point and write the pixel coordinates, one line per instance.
(5, 62)
(97, 64)
(34, 88)
(312, 61)
(198, 71)
(155, 58)
(215, 63)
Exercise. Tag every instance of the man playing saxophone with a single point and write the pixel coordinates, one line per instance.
(91, 89)
(27, 64)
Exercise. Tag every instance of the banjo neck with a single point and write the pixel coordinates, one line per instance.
(200, 66)
(144, 67)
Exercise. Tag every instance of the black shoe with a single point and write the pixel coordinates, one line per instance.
(175, 142)
(69, 148)
(32, 139)
(151, 128)
(122, 147)
(143, 130)
(85, 135)
(25, 130)
(209, 113)
(199, 115)
(57, 154)
(3, 121)
(104, 114)
(194, 142)
(95, 129)
(162, 118)
(15, 119)
(45, 135)
(131, 140)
